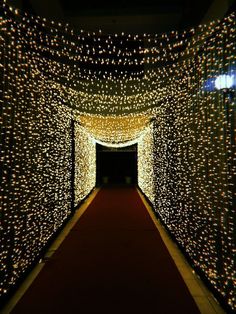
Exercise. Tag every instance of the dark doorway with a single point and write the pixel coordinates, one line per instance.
(116, 165)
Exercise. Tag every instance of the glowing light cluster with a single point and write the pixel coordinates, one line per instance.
(194, 157)
(114, 129)
(113, 85)
(195, 190)
(35, 170)
(224, 81)
(85, 163)
(146, 176)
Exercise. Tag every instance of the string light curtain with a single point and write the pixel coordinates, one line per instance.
(145, 150)
(85, 163)
(50, 74)
(195, 161)
(116, 130)
(35, 167)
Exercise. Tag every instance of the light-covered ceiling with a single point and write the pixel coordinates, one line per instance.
(133, 16)
(117, 81)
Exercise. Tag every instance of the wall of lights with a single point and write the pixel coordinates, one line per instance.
(145, 155)
(85, 163)
(195, 161)
(35, 171)
(114, 85)
(35, 160)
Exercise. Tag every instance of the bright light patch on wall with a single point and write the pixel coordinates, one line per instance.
(224, 81)
(85, 163)
(146, 178)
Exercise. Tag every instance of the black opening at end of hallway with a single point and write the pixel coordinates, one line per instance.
(116, 165)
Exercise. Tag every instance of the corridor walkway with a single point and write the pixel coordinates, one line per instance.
(112, 261)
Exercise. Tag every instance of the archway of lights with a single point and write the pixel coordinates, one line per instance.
(62, 92)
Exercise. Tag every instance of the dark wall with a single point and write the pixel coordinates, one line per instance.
(116, 166)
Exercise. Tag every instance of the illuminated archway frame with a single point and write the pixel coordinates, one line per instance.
(115, 130)
(124, 144)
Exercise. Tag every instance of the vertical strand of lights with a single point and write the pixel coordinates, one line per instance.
(85, 163)
(145, 163)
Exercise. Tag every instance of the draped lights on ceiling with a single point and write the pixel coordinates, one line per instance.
(99, 74)
(119, 74)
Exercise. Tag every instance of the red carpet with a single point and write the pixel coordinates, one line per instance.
(113, 261)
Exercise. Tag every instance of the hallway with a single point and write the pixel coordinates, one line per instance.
(118, 101)
(112, 261)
